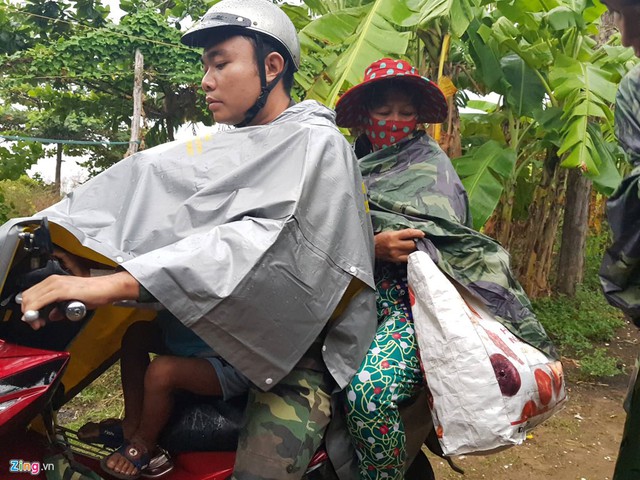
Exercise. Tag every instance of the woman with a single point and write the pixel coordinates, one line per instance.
(386, 110)
(415, 196)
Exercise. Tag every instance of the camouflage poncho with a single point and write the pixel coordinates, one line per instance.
(413, 185)
(620, 270)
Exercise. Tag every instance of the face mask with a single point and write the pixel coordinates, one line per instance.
(384, 133)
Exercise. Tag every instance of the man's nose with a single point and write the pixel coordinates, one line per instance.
(208, 83)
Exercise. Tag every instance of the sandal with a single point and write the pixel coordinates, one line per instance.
(110, 433)
(133, 453)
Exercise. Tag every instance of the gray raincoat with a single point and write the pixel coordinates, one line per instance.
(250, 237)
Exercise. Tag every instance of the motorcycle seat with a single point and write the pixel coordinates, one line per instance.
(199, 423)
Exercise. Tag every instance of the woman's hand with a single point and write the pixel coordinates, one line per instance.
(92, 291)
(396, 245)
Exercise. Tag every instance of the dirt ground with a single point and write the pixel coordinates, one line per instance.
(579, 443)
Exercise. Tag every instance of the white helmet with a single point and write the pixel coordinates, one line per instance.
(260, 16)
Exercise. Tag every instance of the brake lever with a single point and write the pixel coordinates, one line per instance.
(74, 310)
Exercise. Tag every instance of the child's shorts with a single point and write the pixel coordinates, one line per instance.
(232, 382)
(182, 341)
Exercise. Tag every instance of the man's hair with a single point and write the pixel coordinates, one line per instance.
(269, 46)
(272, 46)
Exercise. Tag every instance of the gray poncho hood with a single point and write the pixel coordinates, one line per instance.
(250, 237)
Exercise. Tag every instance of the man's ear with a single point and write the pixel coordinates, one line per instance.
(273, 65)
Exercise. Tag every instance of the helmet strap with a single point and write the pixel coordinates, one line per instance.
(265, 88)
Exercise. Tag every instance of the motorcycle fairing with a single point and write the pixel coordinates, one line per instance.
(27, 382)
(93, 344)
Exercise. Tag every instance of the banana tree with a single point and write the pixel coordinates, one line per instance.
(347, 36)
(557, 91)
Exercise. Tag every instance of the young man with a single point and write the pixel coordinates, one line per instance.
(258, 239)
(620, 270)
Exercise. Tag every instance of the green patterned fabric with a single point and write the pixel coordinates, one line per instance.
(620, 269)
(413, 185)
(389, 375)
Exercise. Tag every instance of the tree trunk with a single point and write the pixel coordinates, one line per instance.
(57, 182)
(574, 233)
(451, 141)
(138, 71)
(536, 241)
(500, 225)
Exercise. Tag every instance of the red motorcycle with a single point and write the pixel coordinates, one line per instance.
(41, 370)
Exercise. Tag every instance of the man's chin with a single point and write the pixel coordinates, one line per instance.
(226, 120)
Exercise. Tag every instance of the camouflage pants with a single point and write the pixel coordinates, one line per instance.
(285, 426)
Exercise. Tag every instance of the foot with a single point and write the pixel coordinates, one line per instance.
(128, 461)
(107, 432)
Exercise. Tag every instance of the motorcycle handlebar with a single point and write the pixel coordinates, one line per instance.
(74, 310)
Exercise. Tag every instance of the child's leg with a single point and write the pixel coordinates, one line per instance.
(140, 339)
(165, 375)
(389, 374)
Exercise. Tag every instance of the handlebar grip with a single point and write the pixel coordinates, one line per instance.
(31, 315)
(73, 310)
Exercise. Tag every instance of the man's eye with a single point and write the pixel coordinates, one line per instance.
(220, 66)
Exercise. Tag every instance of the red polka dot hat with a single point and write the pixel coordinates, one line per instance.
(351, 109)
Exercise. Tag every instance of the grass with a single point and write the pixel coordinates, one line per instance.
(102, 399)
(579, 325)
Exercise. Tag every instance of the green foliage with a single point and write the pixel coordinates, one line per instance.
(5, 213)
(349, 35)
(483, 172)
(578, 322)
(15, 161)
(525, 91)
(557, 89)
(102, 399)
(578, 325)
(24, 197)
(599, 364)
(359, 36)
(587, 92)
(78, 87)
